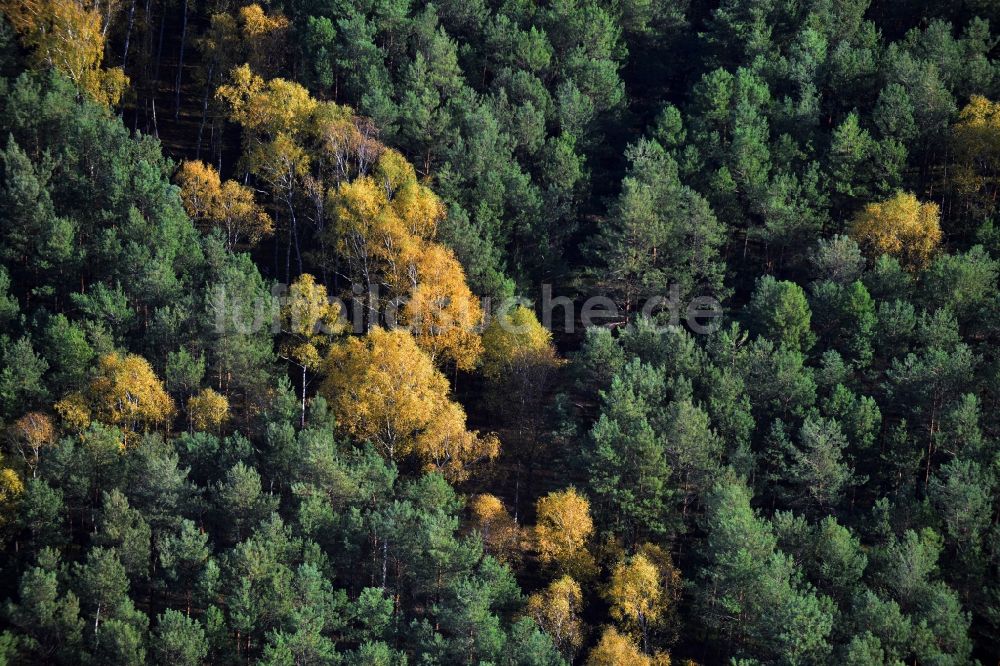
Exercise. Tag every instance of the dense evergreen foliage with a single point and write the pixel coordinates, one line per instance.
(254, 408)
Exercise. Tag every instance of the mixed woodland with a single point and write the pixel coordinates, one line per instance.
(264, 398)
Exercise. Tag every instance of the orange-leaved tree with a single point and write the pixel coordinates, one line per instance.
(384, 389)
(642, 591)
(500, 532)
(975, 176)
(32, 433)
(441, 312)
(228, 205)
(616, 649)
(900, 226)
(67, 36)
(384, 225)
(11, 488)
(320, 162)
(562, 530)
(309, 322)
(207, 410)
(124, 392)
(557, 610)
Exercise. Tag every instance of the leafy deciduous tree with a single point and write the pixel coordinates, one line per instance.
(900, 226)
(383, 388)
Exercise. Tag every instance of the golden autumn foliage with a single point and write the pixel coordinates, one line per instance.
(309, 319)
(976, 146)
(373, 234)
(556, 609)
(442, 313)
(124, 392)
(74, 410)
(266, 108)
(900, 226)
(384, 224)
(281, 163)
(31, 433)
(66, 35)
(11, 487)
(418, 208)
(207, 410)
(634, 592)
(615, 649)
(642, 591)
(500, 533)
(263, 38)
(670, 576)
(383, 388)
(977, 132)
(386, 216)
(382, 220)
(257, 24)
(251, 36)
(562, 530)
(228, 205)
(515, 340)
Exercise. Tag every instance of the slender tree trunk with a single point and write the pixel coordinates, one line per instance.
(298, 249)
(288, 255)
(128, 33)
(180, 61)
(276, 244)
(930, 441)
(159, 46)
(204, 109)
(385, 561)
(294, 229)
(517, 491)
(107, 20)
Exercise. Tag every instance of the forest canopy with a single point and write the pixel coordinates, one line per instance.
(375, 332)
